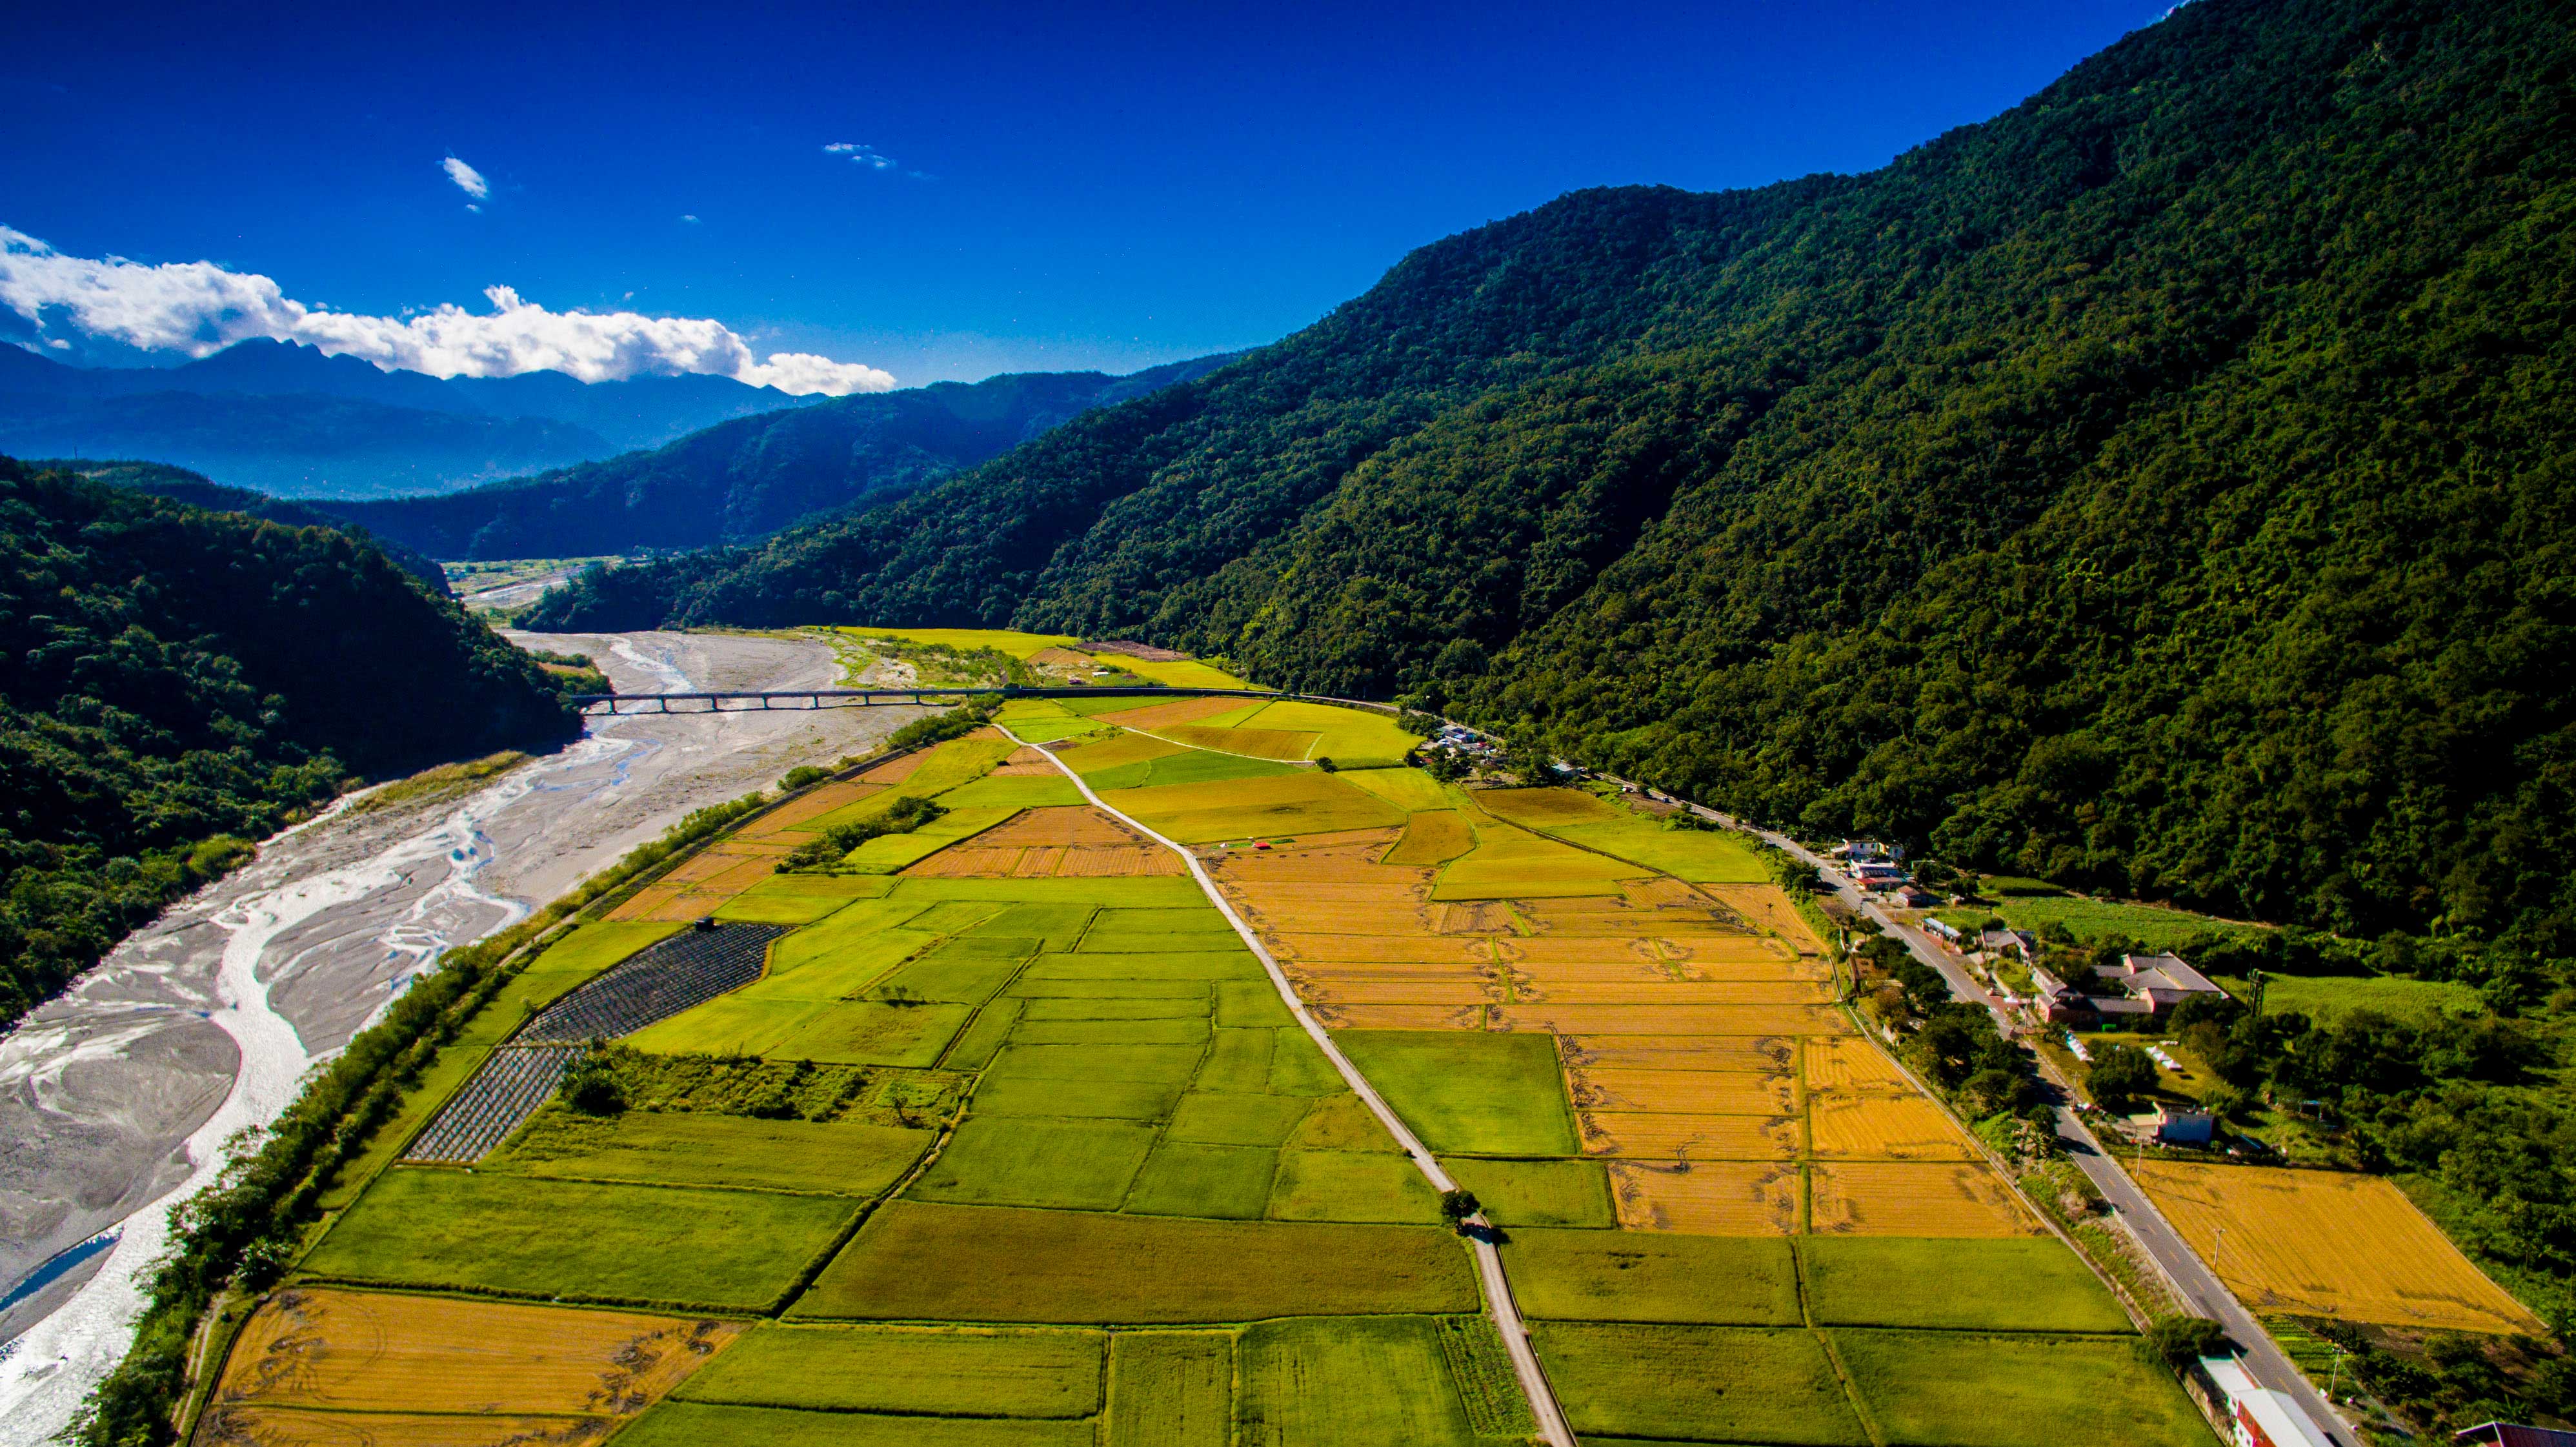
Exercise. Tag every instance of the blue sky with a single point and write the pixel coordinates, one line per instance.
(1061, 187)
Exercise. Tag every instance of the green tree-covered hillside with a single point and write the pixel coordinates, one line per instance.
(2161, 486)
(174, 681)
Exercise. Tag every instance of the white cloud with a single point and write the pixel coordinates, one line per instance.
(197, 307)
(467, 179)
(865, 156)
(689, 220)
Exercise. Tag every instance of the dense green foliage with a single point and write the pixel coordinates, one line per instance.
(178, 680)
(196, 490)
(742, 480)
(2160, 486)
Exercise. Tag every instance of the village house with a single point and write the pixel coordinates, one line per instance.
(2161, 981)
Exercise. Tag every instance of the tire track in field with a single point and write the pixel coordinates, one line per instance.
(1500, 1307)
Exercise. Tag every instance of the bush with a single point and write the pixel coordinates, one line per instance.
(907, 815)
(2182, 1340)
(2119, 1075)
(800, 776)
(591, 1087)
(1456, 1206)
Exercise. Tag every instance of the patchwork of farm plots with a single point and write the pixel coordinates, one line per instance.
(1013, 1141)
(1730, 1217)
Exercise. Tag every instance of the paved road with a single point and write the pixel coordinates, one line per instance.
(2197, 1285)
(1489, 1262)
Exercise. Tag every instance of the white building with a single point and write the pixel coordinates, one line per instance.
(2260, 1416)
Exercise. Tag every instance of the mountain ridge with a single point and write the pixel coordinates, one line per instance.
(1829, 501)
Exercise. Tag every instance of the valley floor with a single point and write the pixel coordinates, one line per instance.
(1012, 1140)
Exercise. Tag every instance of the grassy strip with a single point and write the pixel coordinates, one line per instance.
(441, 782)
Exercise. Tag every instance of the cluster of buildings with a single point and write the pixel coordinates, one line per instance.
(1879, 869)
(2138, 993)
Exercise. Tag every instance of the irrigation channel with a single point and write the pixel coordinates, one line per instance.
(117, 1099)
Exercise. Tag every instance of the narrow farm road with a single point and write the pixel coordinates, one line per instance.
(1489, 1262)
(2190, 1277)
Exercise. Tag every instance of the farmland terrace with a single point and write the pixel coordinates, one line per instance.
(1013, 1139)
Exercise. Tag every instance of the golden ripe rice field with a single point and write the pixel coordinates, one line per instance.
(2328, 1243)
(355, 1351)
(1914, 1198)
(1707, 1198)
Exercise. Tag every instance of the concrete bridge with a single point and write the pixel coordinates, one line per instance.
(813, 698)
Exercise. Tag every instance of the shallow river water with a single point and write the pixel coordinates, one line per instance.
(116, 1099)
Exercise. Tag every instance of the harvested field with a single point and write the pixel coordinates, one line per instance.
(2329, 1243)
(1547, 991)
(1911, 1198)
(896, 770)
(259, 1426)
(1968, 1389)
(1075, 842)
(1401, 1017)
(1853, 1066)
(690, 1249)
(1672, 1019)
(1769, 1054)
(1706, 1198)
(1621, 1276)
(1697, 1383)
(1884, 1127)
(1171, 1389)
(917, 1262)
(1412, 992)
(797, 814)
(918, 1371)
(361, 1351)
(1736, 1092)
(2030, 1283)
(1670, 1137)
(1768, 906)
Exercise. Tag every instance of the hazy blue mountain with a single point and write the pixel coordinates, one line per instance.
(742, 480)
(284, 418)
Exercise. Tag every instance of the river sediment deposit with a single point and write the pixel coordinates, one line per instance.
(117, 1097)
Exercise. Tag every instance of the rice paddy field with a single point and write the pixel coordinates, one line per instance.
(2328, 1244)
(1014, 1140)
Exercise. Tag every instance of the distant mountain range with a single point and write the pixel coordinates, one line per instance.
(742, 480)
(286, 419)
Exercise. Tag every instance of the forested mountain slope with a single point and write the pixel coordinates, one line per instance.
(2163, 485)
(742, 480)
(196, 490)
(171, 676)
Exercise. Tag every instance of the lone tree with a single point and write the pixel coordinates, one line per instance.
(2182, 1340)
(1456, 1206)
(2120, 1074)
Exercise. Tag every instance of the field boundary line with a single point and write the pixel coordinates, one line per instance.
(1500, 1307)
